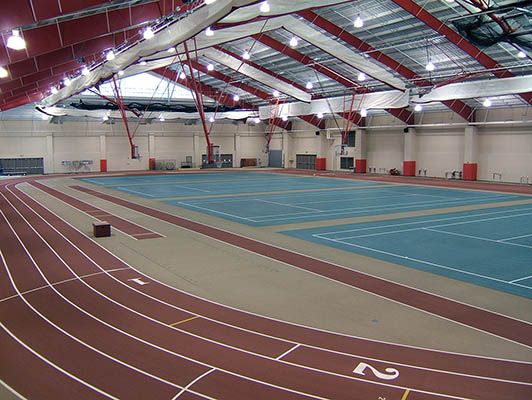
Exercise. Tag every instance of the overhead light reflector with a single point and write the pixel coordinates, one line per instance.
(264, 7)
(53, 90)
(363, 113)
(148, 33)
(359, 22)
(85, 71)
(319, 115)
(361, 76)
(110, 55)
(284, 118)
(236, 98)
(521, 54)
(67, 82)
(276, 93)
(418, 107)
(294, 42)
(209, 31)
(210, 67)
(309, 85)
(430, 66)
(211, 119)
(182, 75)
(15, 42)
(246, 55)
(487, 103)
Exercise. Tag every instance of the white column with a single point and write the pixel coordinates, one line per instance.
(410, 145)
(151, 145)
(471, 145)
(197, 150)
(103, 148)
(361, 147)
(49, 162)
(238, 150)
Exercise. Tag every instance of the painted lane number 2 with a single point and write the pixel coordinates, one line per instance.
(391, 373)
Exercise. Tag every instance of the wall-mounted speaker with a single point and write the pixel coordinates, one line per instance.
(317, 133)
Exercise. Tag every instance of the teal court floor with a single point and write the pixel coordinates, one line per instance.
(490, 247)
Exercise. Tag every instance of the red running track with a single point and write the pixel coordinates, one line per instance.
(64, 299)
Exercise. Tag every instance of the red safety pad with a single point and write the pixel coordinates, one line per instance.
(360, 166)
(470, 172)
(409, 168)
(103, 165)
(321, 164)
(151, 163)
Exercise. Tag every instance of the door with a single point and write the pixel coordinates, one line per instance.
(275, 158)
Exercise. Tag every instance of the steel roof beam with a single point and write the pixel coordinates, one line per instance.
(458, 106)
(430, 20)
(403, 114)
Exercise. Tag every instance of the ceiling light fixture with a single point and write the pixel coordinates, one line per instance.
(110, 55)
(171, 50)
(211, 119)
(148, 33)
(209, 31)
(257, 120)
(319, 115)
(105, 118)
(85, 71)
(309, 85)
(430, 66)
(363, 113)
(418, 107)
(161, 118)
(210, 67)
(487, 103)
(359, 22)
(284, 118)
(276, 93)
(44, 117)
(53, 90)
(121, 72)
(209, 1)
(264, 7)
(246, 55)
(143, 62)
(361, 76)
(3, 72)
(15, 42)
(236, 98)
(67, 82)
(521, 54)
(182, 75)
(294, 42)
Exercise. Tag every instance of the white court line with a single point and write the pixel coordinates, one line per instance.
(425, 221)
(420, 261)
(515, 237)
(121, 188)
(476, 237)
(213, 211)
(521, 279)
(191, 188)
(288, 351)
(443, 225)
(193, 382)
(288, 205)
(295, 324)
(388, 207)
(17, 394)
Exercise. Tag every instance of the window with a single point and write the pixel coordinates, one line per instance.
(350, 139)
(346, 163)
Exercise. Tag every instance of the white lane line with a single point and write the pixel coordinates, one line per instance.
(424, 221)
(13, 391)
(14, 337)
(157, 347)
(72, 304)
(476, 237)
(64, 281)
(293, 324)
(193, 382)
(288, 351)
(402, 257)
(515, 237)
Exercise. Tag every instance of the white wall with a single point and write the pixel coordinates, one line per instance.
(504, 148)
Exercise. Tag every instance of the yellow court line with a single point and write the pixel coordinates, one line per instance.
(405, 394)
(185, 320)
